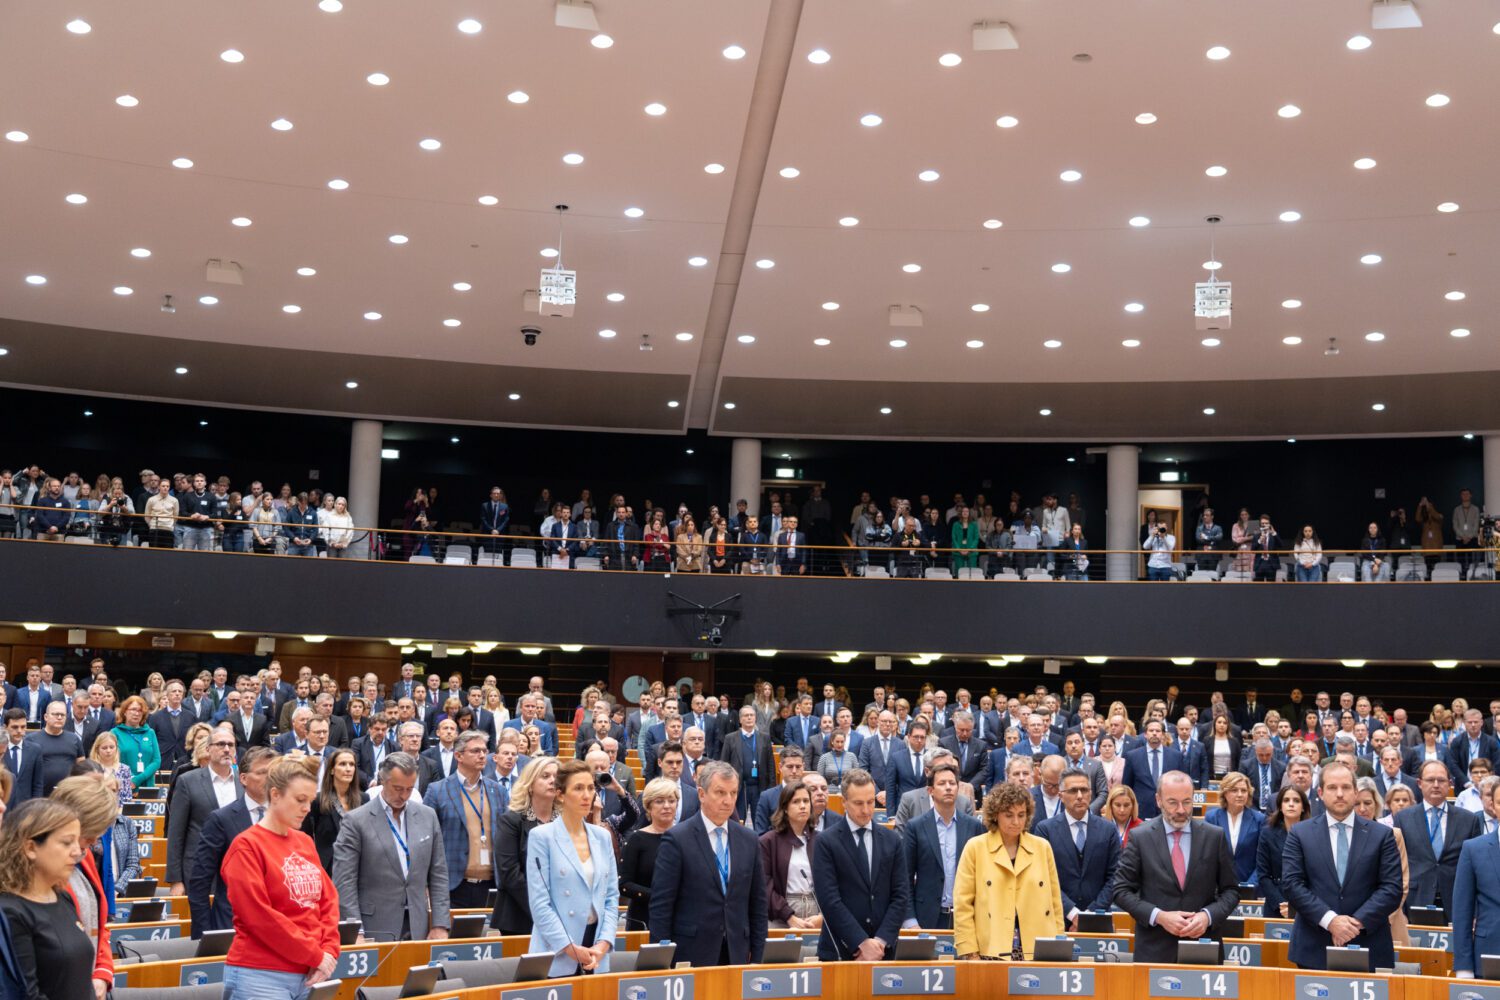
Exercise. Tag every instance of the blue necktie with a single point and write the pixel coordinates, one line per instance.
(1435, 828)
(107, 870)
(721, 851)
(1079, 834)
(1341, 851)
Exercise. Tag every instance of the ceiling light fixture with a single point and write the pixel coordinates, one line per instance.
(993, 223)
(684, 336)
(734, 52)
(514, 397)
(885, 410)
(1211, 341)
(130, 101)
(488, 200)
(1217, 53)
(1290, 215)
(1007, 121)
(1454, 296)
(124, 290)
(634, 213)
(1145, 118)
(1459, 332)
(240, 220)
(1216, 171)
(789, 172)
(974, 344)
(765, 263)
(1437, 101)
(980, 307)
(180, 370)
(400, 239)
(898, 343)
(1132, 342)
(182, 163)
(1044, 412)
(372, 316)
(1291, 303)
(351, 385)
(1061, 268)
(1289, 111)
(1370, 258)
(78, 26)
(377, 79)
(208, 300)
(821, 342)
(1134, 307)
(615, 297)
(1291, 341)
(338, 184)
(1051, 345)
(462, 286)
(830, 306)
(655, 109)
(282, 125)
(36, 279)
(601, 41)
(607, 334)
(1448, 206)
(871, 120)
(1070, 176)
(950, 59)
(469, 26)
(728, 406)
(911, 268)
(928, 175)
(697, 261)
(330, 6)
(848, 221)
(77, 199)
(746, 338)
(1378, 407)
(16, 135)
(452, 323)
(1364, 163)
(713, 168)
(291, 309)
(1358, 43)
(232, 56)
(818, 57)
(673, 404)
(1140, 221)
(306, 272)
(1374, 336)
(431, 145)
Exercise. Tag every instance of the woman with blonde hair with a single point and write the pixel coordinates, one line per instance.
(1369, 803)
(38, 852)
(1005, 891)
(532, 801)
(106, 753)
(93, 799)
(155, 691)
(1121, 809)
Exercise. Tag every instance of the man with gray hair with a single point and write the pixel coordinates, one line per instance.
(530, 707)
(409, 737)
(1344, 749)
(296, 737)
(617, 767)
(388, 865)
(468, 807)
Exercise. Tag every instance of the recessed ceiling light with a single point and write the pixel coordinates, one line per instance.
(1212, 265)
(282, 125)
(462, 286)
(821, 342)
(1459, 332)
(697, 261)
(911, 268)
(1469, 436)
(291, 309)
(684, 336)
(980, 307)
(372, 315)
(1061, 268)
(1217, 52)
(454, 439)
(77, 199)
(974, 344)
(1291, 341)
(928, 175)
(950, 59)
(431, 144)
(338, 184)
(124, 290)
(330, 6)
(673, 404)
(1134, 307)
(36, 279)
(1131, 342)
(601, 41)
(488, 200)
(818, 57)
(713, 168)
(1007, 121)
(1364, 163)
(1358, 43)
(655, 109)
(1370, 258)
(240, 220)
(1052, 345)
(1211, 341)
(351, 385)
(1044, 412)
(871, 120)
(1377, 407)
(746, 338)
(1374, 336)
(615, 297)
(78, 26)
(765, 263)
(400, 239)
(634, 213)
(513, 397)
(88, 413)
(1145, 118)
(307, 272)
(1437, 101)
(1071, 175)
(1290, 215)
(1454, 296)
(452, 323)
(898, 343)
(549, 252)
(1448, 206)
(16, 135)
(1140, 221)
(208, 300)
(232, 56)
(377, 79)
(734, 52)
(182, 163)
(180, 370)
(728, 406)
(130, 101)
(1216, 171)
(830, 306)
(789, 172)
(885, 410)
(993, 223)
(1291, 303)
(469, 26)
(607, 334)
(849, 221)
(1289, 111)
(1209, 411)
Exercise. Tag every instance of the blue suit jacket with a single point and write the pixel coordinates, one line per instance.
(870, 760)
(799, 729)
(1370, 893)
(1429, 875)
(924, 860)
(12, 979)
(860, 899)
(27, 784)
(900, 780)
(1137, 775)
(1195, 763)
(690, 906)
(449, 799)
(994, 769)
(1251, 823)
(562, 896)
(548, 731)
(765, 808)
(214, 838)
(1084, 879)
(1476, 904)
(23, 700)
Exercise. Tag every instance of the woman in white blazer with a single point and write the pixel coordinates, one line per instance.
(572, 881)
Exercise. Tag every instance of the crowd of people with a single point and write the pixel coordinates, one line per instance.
(293, 803)
(901, 538)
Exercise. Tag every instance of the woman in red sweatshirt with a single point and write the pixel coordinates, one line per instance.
(286, 912)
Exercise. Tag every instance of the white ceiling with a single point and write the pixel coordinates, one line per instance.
(310, 67)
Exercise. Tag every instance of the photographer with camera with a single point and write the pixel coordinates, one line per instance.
(614, 808)
(1160, 543)
(115, 515)
(1266, 544)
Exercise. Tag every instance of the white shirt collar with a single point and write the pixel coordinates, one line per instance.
(709, 826)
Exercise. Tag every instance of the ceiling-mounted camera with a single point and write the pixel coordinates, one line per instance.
(529, 335)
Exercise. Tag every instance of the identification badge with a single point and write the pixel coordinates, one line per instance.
(140, 765)
(484, 856)
(754, 771)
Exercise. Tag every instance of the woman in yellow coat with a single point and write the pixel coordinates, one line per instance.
(1006, 885)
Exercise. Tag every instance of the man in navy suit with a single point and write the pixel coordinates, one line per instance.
(1194, 757)
(22, 760)
(876, 754)
(1476, 901)
(371, 749)
(214, 838)
(861, 880)
(531, 708)
(33, 698)
(933, 843)
(1085, 846)
(1473, 742)
(748, 751)
(1434, 830)
(792, 765)
(1145, 765)
(700, 718)
(563, 540)
(908, 767)
(708, 891)
(653, 738)
(407, 685)
(800, 725)
(1389, 774)
(967, 749)
(1035, 743)
(672, 760)
(1341, 873)
(791, 549)
(1265, 773)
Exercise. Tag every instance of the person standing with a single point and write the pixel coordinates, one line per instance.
(56, 749)
(575, 896)
(1434, 831)
(198, 794)
(532, 803)
(387, 836)
(1085, 849)
(1007, 893)
(1476, 900)
(661, 801)
(204, 872)
(932, 844)
(40, 843)
(468, 810)
(748, 752)
(861, 880)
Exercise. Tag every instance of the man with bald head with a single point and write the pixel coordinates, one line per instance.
(1176, 875)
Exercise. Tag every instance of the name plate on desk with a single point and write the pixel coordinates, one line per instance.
(1432, 937)
(487, 952)
(1249, 910)
(201, 975)
(357, 963)
(1023, 981)
(1468, 990)
(911, 980)
(131, 933)
(143, 849)
(795, 981)
(657, 988)
(1242, 952)
(1331, 988)
(156, 807)
(1278, 932)
(1191, 983)
(563, 992)
(1094, 947)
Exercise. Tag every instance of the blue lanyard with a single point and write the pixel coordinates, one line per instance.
(400, 842)
(472, 806)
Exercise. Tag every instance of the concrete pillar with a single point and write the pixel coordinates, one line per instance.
(1121, 528)
(364, 482)
(744, 475)
(1490, 497)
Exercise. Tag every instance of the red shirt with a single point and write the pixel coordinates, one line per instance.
(286, 911)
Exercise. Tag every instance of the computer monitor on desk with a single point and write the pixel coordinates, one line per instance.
(1428, 916)
(1057, 949)
(1348, 959)
(1096, 923)
(1199, 953)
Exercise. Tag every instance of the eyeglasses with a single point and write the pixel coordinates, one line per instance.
(222, 743)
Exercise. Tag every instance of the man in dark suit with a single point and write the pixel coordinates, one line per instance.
(105, 717)
(1389, 774)
(1252, 711)
(748, 751)
(793, 764)
(1085, 846)
(1265, 773)
(699, 717)
(791, 549)
(33, 696)
(199, 793)
(1434, 831)
(338, 726)
(672, 762)
(967, 749)
(861, 880)
(801, 725)
(80, 725)
(250, 728)
(1473, 742)
(908, 766)
(933, 843)
(441, 753)
(295, 735)
(876, 753)
(198, 703)
(1194, 756)
(828, 705)
(214, 838)
(407, 685)
(562, 539)
(619, 546)
(1476, 900)
(531, 707)
(170, 724)
(22, 760)
(371, 749)
(708, 892)
(1145, 765)
(1176, 876)
(1341, 873)
(653, 738)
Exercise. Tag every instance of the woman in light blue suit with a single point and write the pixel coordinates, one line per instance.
(1240, 823)
(572, 882)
